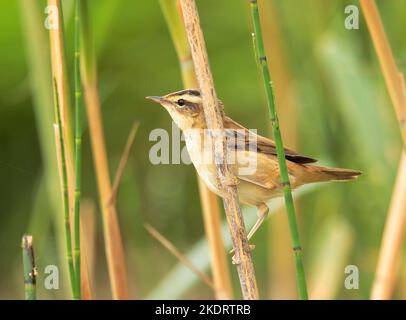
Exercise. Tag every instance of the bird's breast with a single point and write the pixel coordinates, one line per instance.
(201, 155)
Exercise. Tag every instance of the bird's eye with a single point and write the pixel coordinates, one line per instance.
(181, 102)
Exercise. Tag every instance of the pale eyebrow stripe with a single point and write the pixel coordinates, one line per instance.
(186, 97)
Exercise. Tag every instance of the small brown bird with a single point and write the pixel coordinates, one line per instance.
(255, 187)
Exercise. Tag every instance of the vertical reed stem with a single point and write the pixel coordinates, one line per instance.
(300, 275)
(111, 229)
(226, 180)
(41, 88)
(390, 254)
(58, 60)
(393, 77)
(29, 268)
(391, 247)
(87, 247)
(281, 266)
(59, 73)
(78, 147)
(209, 201)
(64, 183)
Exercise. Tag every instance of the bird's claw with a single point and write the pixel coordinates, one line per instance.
(234, 259)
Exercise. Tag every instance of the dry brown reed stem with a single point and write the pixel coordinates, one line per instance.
(87, 247)
(112, 235)
(88, 223)
(226, 181)
(212, 227)
(209, 201)
(181, 257)
(58, 63)
(59, 73)
(111, 230)
(393, 77)
(391, 248)
(390, 251)
(85, 284)
(122, 163)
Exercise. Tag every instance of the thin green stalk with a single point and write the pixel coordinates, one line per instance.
(78, 147)
(65, 193)
(39, 70)
(300, 275)
(29, 268)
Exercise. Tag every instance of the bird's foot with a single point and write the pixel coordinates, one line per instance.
(230, 180)
(234, 259)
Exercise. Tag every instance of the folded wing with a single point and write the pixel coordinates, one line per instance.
(242, 136)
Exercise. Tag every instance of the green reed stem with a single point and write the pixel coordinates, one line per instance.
(29, 268)
(65, 194)
(290, 208)
(78, 147)
(39, 70)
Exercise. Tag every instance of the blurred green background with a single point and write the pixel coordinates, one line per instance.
(335, 108)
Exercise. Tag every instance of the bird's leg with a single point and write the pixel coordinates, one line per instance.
(262, 213)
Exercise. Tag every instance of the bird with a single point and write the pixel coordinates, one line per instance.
(254, 187)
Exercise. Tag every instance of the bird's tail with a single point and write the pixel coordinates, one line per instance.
(319, 174)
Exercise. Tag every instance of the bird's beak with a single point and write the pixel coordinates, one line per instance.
(155, 98)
